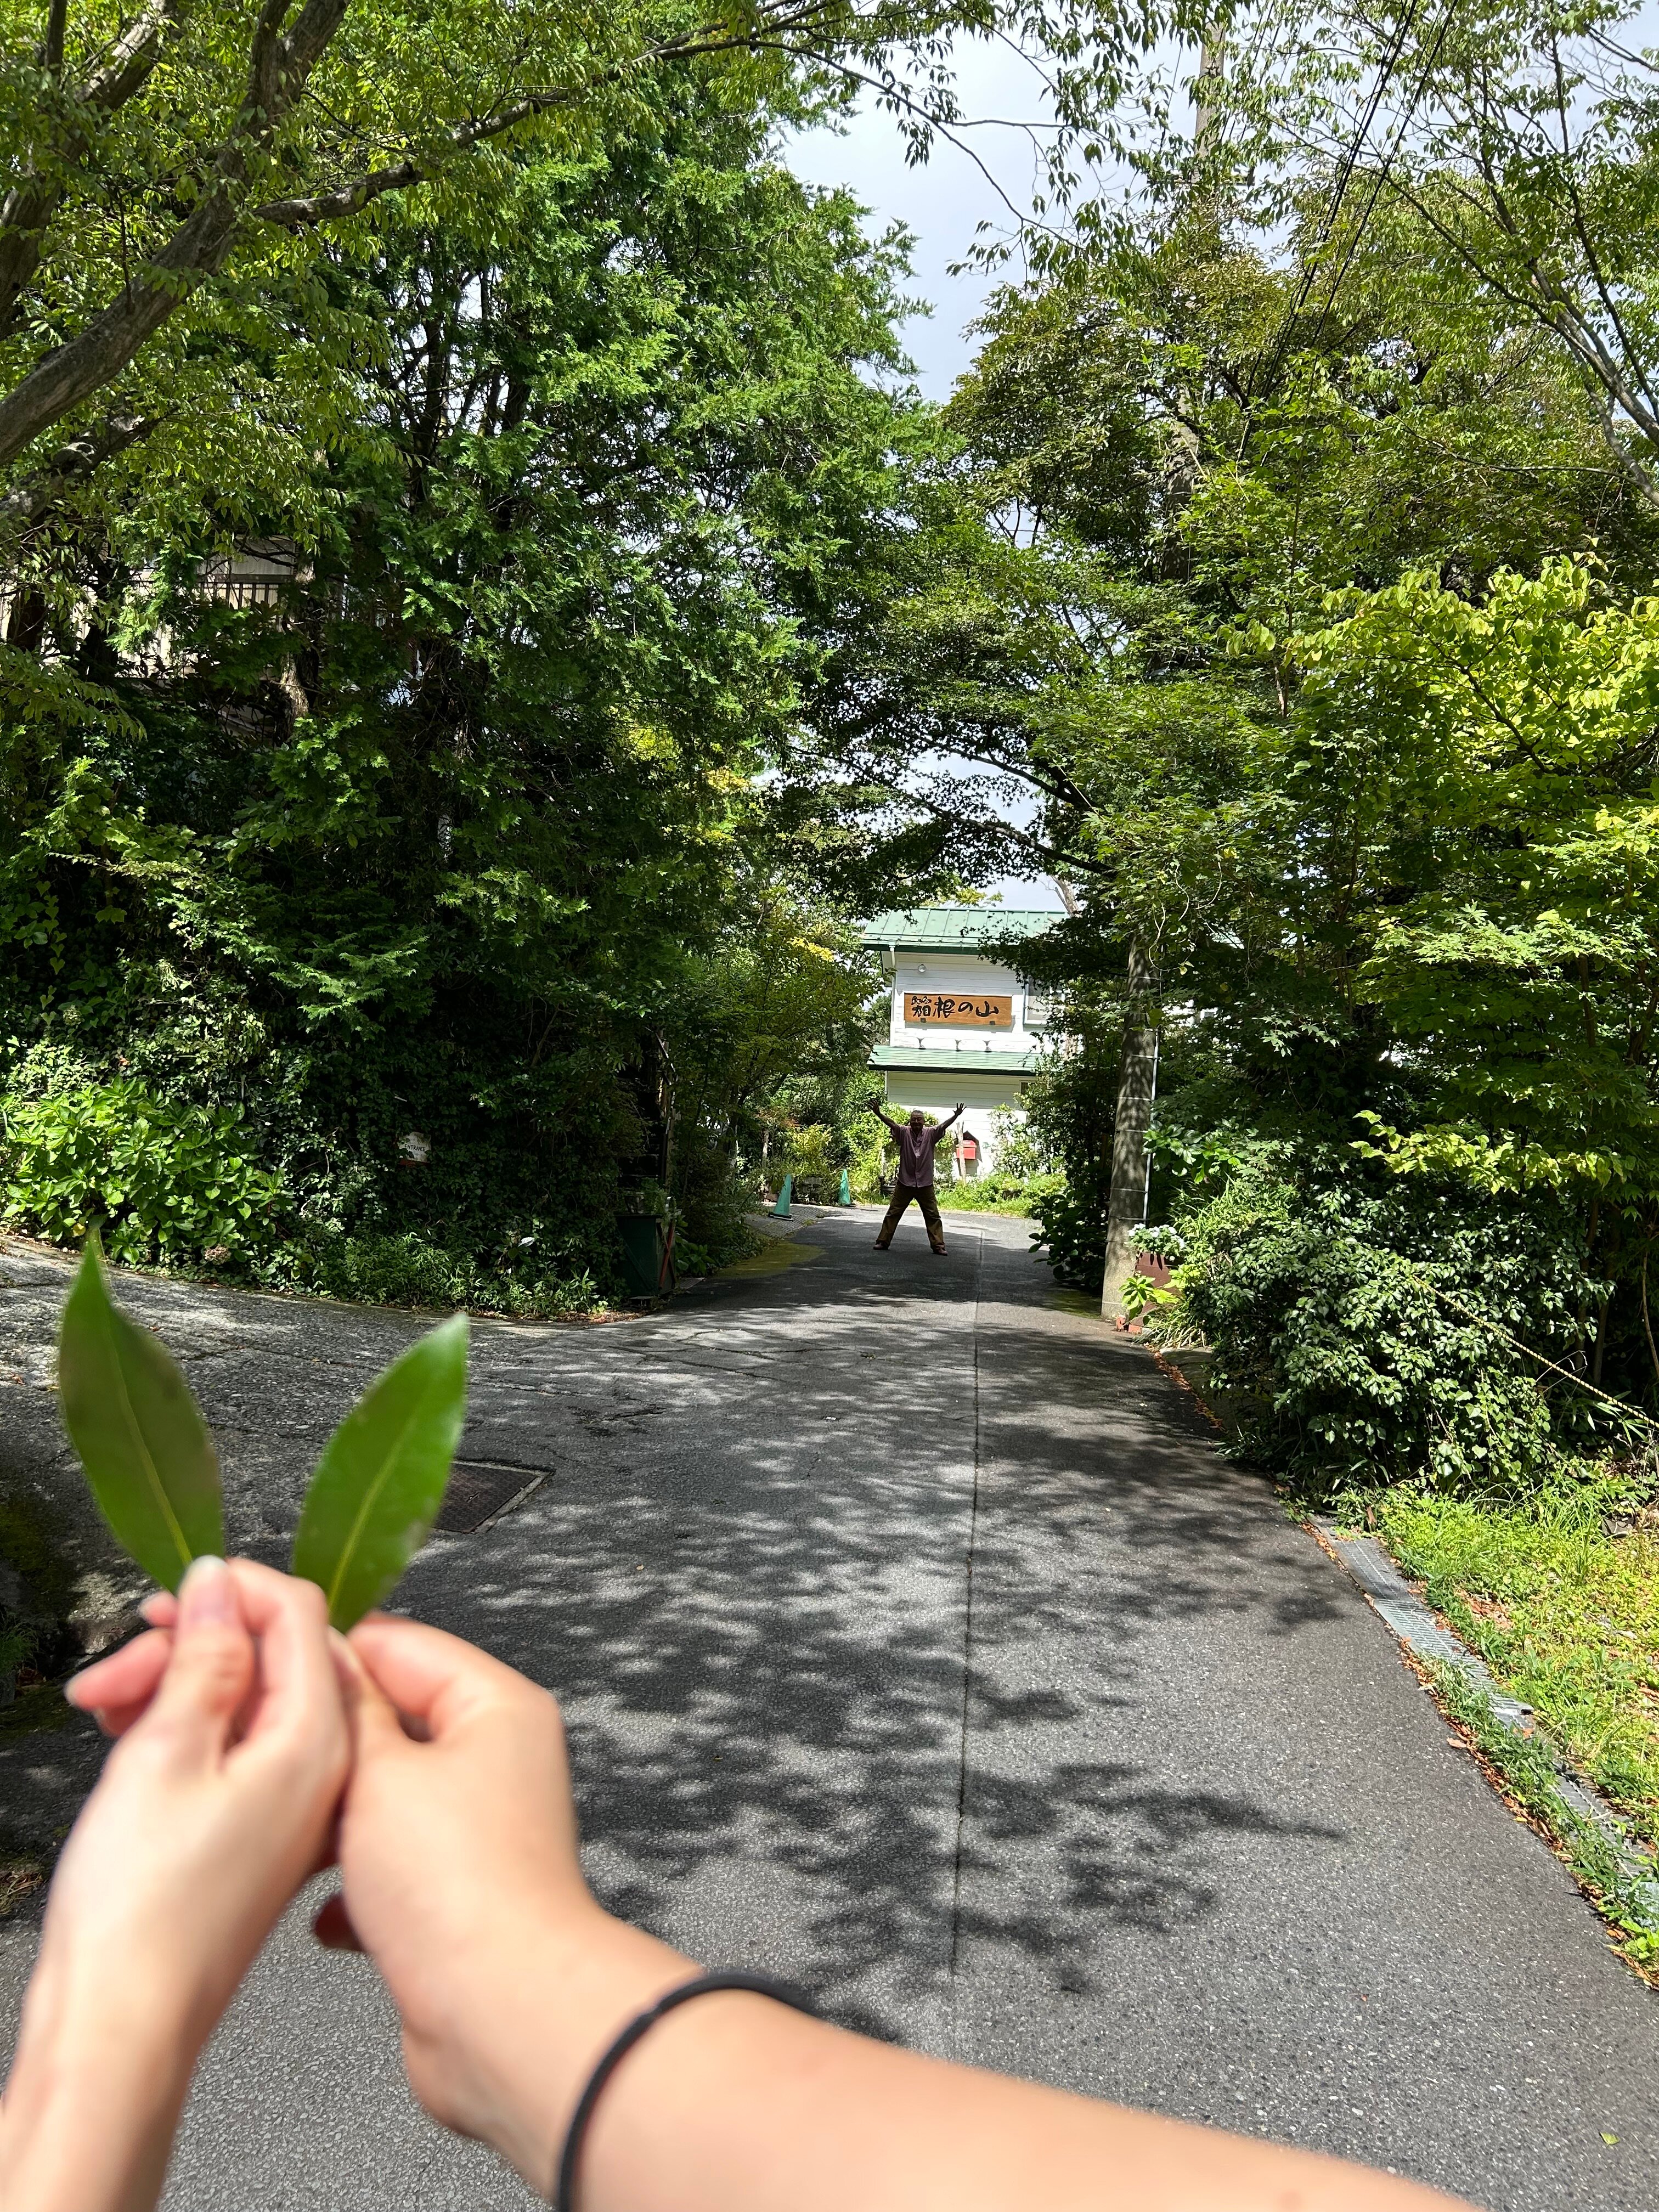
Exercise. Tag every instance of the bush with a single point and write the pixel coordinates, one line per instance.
(166, 1181)
(1376, 1331)
(1000, 1193)
(412, 1270)
(1071, 1227)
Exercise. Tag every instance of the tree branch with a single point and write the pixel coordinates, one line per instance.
(29, 208)
(278, 69)
(301, 213)
(29, 501)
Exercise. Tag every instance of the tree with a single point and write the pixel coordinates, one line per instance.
(1508, 153)
(436, 844)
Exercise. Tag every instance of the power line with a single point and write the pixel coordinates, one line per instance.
(1344, 177)
(1381, 176)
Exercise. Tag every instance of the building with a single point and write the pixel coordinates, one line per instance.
(962, 1025)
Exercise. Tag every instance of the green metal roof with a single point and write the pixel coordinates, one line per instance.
(957, 928)
(953, 1059)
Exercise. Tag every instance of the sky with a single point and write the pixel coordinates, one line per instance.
(943, 203)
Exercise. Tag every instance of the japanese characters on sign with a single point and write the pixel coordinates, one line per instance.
(984, 1011)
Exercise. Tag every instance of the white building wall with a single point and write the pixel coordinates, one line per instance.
(983, 1094)
(952, 972)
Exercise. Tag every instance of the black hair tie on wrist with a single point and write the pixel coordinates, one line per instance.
(701, 1985)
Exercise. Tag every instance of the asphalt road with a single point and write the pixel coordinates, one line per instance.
(917, 1644)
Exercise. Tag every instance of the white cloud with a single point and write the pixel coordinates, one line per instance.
(992, 170)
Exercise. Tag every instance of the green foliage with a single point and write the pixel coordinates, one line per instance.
(457, 863)
(412, 1269)
(139, 1431)
(378, 1488)
(1329, 664)
(1375, 1333)
(1001, 1193)
(167, 310)
(1071, 1229)
(163, 1180)
(769, 1046)
(1072, 1106)
(149, 1461)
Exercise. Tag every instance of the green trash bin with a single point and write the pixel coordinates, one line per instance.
(648, 1243)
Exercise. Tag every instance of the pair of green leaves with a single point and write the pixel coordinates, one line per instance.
(150, 1461)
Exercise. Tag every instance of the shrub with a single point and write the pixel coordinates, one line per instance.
(1000, 1193)
(1376, 1332)
(167, 1181)
(412, 1270)
(1071, 1227)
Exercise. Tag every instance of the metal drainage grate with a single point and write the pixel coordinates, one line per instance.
(481, 1491)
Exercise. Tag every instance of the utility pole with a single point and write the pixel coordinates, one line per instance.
(1206, 87)
(1126, 1206)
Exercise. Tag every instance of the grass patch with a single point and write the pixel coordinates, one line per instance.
(1565, 1616)
(36, 1710)
(775, 1254)
(1525, 1767)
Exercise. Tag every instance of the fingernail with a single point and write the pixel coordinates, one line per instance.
(206, 1593)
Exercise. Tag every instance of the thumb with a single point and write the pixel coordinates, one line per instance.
(211, 1670)
(376, 1728)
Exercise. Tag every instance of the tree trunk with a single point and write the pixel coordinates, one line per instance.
(1126, 1207)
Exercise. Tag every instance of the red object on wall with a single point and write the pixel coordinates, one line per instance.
(968, 1148)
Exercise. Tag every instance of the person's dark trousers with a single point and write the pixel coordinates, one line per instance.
(924, 1197)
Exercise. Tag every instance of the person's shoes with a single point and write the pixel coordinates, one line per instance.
(878, 1247)
(939, 1251)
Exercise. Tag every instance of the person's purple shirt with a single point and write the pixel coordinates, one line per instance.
(917, 1155)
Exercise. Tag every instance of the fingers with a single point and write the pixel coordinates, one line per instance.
(376, 1728)
(117, 1689)
(332, 1926)
(297, 1673)
(212, 1668)
(426, 1676)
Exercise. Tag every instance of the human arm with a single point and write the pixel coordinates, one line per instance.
(210, 1813)
(893, 1125)
(956, 1116)
(458, 1851)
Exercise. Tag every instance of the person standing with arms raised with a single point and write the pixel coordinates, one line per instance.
(916, 1142)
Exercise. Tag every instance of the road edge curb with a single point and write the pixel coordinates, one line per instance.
(1617, 1872)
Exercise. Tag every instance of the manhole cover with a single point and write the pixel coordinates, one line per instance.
(479, 1492)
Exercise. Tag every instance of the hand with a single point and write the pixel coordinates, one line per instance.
(211, 1811)
(457, 1857)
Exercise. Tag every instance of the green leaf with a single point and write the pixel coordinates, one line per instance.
(140, 1434)
(380, 1481)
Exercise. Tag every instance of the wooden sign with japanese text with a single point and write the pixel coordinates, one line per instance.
(981, 1011)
